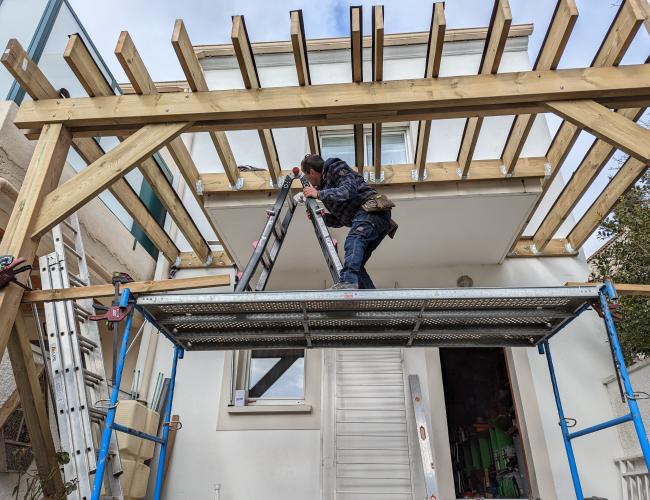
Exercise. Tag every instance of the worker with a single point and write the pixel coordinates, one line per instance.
(354, 204)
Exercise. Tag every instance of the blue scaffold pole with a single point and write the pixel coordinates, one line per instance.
(178, 353)
(110, 414)
(575, 477)
(608, 292)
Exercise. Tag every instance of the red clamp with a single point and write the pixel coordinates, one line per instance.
(114, 313)
(9, 269)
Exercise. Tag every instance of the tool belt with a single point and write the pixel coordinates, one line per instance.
(377, 203)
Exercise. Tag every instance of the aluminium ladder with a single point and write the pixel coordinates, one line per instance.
(263, 259)
(77, 366)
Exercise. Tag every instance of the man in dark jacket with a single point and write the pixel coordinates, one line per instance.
(343, 192)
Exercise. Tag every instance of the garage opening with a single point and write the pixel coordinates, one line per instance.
(486, 449)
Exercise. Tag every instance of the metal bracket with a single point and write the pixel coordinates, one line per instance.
(504, 171)
(198, 186)
(569, 248)
(373, 179)
(415, 177)
(459, 172)
(533, 249)
(279, 183)
(548, 169)
(238, 184)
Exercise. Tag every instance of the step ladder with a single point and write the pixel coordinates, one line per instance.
(267, 248)
(77, 366)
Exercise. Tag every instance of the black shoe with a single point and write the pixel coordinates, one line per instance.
(344, 285)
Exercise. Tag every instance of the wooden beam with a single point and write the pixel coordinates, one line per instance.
(621, 33)
(432, 70)
(395, 175)
(299, 47)
(128, 56)
(494, 45)
(622, 289)
(196, 80)
(34, 82)
(607, 125)
(34, 407)
(246, 62)
(189, 260)
(124, 157)
(556, 248)
(557, 36)
(107, 290)
(589, 168)
(482, 95)
(624, 179)
(377, 76)
(356, 60)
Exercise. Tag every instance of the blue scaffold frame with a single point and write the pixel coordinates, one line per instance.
(110, 425)
(606, 295)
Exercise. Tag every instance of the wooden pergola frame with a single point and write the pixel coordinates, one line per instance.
(148, 120)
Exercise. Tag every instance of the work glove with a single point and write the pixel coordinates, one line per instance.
(299, 198)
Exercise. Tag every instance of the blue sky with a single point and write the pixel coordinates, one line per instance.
(151, 23)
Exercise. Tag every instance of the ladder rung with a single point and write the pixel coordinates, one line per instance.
(92, 375)
(97, 413)
(72, 251)
(76, 279)
(70, 226)
(81, 309)
(85, 340)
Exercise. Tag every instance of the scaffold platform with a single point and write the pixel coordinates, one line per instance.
(471, 317)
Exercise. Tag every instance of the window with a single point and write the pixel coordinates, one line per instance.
(269, 376)
(341, 145)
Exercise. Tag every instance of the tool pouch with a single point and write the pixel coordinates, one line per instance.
(377, 203)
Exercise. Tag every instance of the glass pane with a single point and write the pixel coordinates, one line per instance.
(393, 148)
(277, 375)
(338, 146)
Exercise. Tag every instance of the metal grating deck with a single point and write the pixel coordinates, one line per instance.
(472, 317)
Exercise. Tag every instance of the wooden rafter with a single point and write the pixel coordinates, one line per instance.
(196, 80)
(299, 46)
(483, 95)
(356, 59)
(134, 67)
(76, 192)
(377, 76)
(441, 173)
(607, 125)
(108, 289)
(432, 69)
(557, 36)
(589, 168)
(37, 86)
(248, 70)
(494, 45)
(624, 179)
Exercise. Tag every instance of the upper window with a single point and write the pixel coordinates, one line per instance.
(341, 145)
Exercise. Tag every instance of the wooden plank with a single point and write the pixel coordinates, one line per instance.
(356, 59)
(37, 86)
(128, 56)
(34, 407)
(107, 290)
(624, 179)
(74, 193)
(622, 289)
(377, 76)
(589, 168)
(436, 173)
(607, 125)
(299, 48)
(246, 62)
(557, 36)
(189, 260)
(42, 176)
(483, 95)
(432, 70)
(196, 80)
(494, 45)
(556, 248)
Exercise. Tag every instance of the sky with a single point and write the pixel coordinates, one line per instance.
(209, 21)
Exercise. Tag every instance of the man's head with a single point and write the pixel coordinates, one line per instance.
(312, 166)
